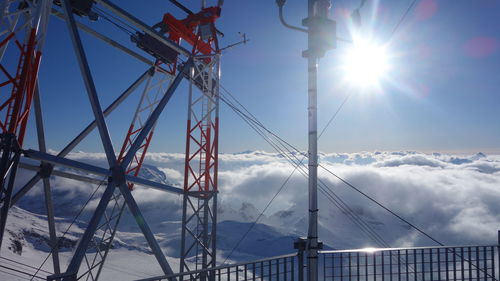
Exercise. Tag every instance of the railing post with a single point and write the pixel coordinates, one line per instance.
(300, 245)
(498, 252)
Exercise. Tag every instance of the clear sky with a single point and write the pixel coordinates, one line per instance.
(441, 93)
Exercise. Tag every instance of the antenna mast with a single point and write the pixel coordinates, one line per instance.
(321, 36)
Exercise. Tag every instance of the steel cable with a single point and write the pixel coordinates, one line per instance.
(329, 194)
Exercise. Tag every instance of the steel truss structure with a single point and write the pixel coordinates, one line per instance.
(199, 214)
(24, 27)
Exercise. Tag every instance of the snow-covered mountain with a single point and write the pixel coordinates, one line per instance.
(452, 197)
(26, 241)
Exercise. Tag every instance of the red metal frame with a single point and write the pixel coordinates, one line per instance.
(204, 177)
(204, 139)
(185, 29)
(135, 165)
(16, 107)
(199, 136)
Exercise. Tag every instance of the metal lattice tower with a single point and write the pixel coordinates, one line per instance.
(199, 212)
(23, 27)
(157, 82)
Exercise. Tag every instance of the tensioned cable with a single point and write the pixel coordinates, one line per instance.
(344, 207)
(402, 219)
(68, 228)
(366, 195)
(27, 265)
(345, 182)
(330, 195)
(385, 208)
(358, 190)
(402, 18)
(115, 18)
(122, 28)
(341, 205)
(347, 210)
(251, 118)
(258, 217)
(20, 271)
(382, 206)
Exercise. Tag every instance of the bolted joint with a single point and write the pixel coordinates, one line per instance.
(117, 175)
(46, 170)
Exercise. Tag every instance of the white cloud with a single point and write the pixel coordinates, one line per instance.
(452, 197)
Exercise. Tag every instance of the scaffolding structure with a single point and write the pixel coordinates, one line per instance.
(23, 27)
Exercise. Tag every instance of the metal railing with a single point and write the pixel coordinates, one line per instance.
(283, 268)
(459, 263)
(450, 263)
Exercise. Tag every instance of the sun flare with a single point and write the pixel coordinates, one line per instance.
(365, 63)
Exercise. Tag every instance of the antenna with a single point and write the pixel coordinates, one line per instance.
(244, 41)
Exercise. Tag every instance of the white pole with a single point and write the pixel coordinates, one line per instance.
(316, 9)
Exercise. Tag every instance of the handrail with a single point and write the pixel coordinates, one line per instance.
(217, 268)
(473, 261)
(372, 250)
(231, 269)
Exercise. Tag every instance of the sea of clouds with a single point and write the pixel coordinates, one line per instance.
(454, 198)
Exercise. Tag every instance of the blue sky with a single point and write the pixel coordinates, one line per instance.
(440, 95)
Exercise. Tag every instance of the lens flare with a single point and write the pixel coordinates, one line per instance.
(365, 63)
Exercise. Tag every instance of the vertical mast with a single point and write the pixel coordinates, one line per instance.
(319, 32)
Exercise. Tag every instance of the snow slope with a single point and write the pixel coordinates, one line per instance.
(26, 241)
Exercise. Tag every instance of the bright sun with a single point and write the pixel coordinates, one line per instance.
(365, 63)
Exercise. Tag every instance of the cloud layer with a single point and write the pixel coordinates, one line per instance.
(454, 198)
